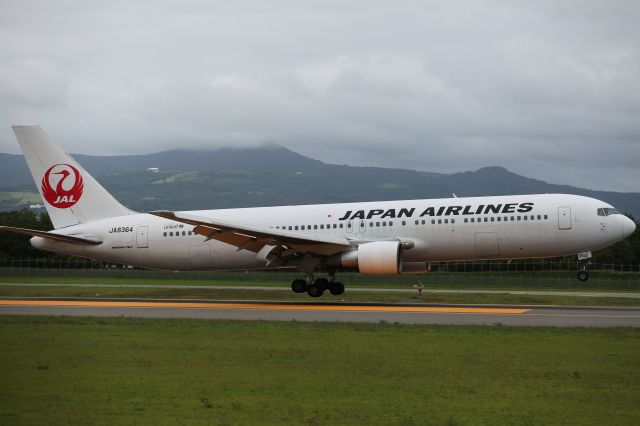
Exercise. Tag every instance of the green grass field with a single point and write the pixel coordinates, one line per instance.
(110, 291)
(77, 371)
(534, 280)
(107, 282)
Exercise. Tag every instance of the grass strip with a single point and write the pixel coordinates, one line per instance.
(105, 371)
(287, 295)
(542, 280)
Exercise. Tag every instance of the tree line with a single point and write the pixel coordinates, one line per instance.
(18, 246)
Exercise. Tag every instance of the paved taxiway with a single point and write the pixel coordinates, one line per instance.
(317, 311)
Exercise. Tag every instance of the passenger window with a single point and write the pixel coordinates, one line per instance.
(486, 219)
(499, 219)
(466, 220)
(321, 226)
(184, 233)
(171, 234)
(524, 217)
(433, 221)
(349, 225)
(417, 222)
(290, 228)
(164, 234)
(296, 228)
(423, 222)
(315, 226)
(546, 217)
(539, 217)
(513, 218)
(404, 222)
(390, 223)
(340, 226)
(371, 224)
(493, 219)
(472, 220)
(453, 221)
(439, 221)
(519, 217)
(335, 226)
(533, 217)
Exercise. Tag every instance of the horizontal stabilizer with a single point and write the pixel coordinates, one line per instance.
(50, 235)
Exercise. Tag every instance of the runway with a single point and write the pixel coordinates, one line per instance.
(559, 316)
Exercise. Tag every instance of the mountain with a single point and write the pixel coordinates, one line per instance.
(13, 168)
(274, 175)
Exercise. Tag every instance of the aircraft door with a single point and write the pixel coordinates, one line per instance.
(142, 236)
(564, 217)
(362, 226)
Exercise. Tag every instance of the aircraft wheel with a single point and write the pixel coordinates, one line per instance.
(299, 286)
(336, 288)
(583, 275)
(323, 283)
(315, 290)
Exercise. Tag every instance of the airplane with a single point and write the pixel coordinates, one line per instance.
(375, 238)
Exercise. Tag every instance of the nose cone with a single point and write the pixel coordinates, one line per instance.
(628, 227)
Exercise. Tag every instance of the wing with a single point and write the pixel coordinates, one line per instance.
(255, 238)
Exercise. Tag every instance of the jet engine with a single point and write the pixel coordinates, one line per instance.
(375, 258)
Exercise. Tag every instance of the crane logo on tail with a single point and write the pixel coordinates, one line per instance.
(62, 186)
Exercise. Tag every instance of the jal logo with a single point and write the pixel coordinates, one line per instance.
(62, 186)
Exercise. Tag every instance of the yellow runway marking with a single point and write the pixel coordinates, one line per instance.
(260, 306)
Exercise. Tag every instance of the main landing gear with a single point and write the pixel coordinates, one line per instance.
(317, 287)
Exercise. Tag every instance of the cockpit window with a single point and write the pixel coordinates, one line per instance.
(606, 211)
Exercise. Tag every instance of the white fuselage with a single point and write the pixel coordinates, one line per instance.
(504, 227)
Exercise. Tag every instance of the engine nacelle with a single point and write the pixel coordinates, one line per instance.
(376, 258)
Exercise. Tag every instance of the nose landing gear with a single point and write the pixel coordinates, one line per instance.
(583, 259)
(583, 274)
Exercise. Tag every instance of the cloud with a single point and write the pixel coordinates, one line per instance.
(547, 89)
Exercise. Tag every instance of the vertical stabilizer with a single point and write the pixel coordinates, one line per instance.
(70, 194)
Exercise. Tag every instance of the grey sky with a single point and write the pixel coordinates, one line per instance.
(548, 89)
